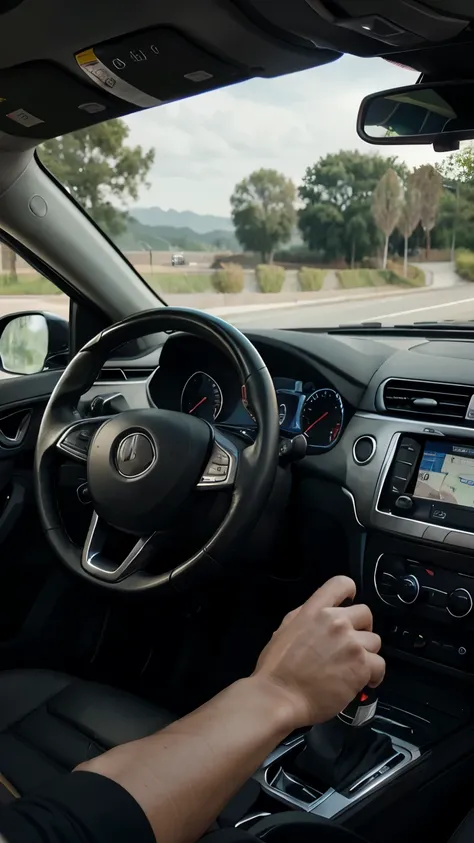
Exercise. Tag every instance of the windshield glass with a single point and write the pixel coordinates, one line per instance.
(259, 203)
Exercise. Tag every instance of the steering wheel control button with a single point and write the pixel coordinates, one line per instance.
(459, 603)
(220, 457)
(364, 450)
(77, 440)
(408, 589)
(136, 455)
(218, 467)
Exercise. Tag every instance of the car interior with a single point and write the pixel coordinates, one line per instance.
(148, 551)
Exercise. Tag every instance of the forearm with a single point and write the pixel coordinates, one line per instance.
(184, 775)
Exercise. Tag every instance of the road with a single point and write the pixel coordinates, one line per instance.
(436, 305)
(447, 298)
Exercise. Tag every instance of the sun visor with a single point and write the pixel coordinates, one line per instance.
(40, 100)
(155, 66)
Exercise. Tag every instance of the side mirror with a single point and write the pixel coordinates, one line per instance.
(439, 113)
(33, 342)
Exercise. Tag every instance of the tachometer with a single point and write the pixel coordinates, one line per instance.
(322, 418)
(202, 397)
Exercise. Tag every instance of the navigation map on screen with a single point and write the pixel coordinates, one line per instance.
(446, 474)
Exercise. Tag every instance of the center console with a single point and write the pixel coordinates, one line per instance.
(413, 500)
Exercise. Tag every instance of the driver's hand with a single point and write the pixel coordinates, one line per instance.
(322, 655)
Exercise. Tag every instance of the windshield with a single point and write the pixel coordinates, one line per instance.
(259, 203)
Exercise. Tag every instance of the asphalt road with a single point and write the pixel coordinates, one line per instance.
(437, 304)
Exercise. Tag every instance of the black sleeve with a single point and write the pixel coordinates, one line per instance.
(77, 808)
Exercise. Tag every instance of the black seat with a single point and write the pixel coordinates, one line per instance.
(465, 832)
(50, 722)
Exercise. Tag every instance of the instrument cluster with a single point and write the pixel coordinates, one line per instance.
(205, 385)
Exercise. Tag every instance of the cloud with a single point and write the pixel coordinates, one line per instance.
(205, 145)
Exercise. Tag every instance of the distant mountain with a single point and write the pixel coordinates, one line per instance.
(162, 237)
(200, 223)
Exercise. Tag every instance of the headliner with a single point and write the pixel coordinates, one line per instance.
(253, 40)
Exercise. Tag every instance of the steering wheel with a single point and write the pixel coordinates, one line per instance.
(143, 465)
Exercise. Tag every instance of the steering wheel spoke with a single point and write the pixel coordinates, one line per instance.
(96, 563)
(75, 439)
(221, 469)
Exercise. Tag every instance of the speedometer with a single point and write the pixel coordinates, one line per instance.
(322, 418)
(202, 397)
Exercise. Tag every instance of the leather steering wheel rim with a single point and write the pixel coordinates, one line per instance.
(255, 466)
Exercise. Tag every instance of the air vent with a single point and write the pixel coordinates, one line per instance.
(111, 375)
(426, 399)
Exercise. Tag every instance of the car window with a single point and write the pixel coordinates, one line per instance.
(26, 345)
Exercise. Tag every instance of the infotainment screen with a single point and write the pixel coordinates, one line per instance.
(446, 473)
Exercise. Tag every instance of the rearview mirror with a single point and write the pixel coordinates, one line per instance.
(33, 342)
(441, 114)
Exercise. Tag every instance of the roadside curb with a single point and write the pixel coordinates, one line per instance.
(256, 308)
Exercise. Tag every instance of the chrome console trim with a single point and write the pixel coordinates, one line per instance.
(331, 803)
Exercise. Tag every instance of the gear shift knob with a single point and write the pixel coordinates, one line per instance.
(361, 711)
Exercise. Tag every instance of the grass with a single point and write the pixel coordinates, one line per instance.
(352, 278)
(27, 285)
(164, 282)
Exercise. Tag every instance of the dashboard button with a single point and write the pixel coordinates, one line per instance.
(404, 502)
(465, 540)
(434, 597)
(401, 471)
(408, 589)
(459, 603)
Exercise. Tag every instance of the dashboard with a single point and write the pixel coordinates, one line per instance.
(387, 483)
(196, 378)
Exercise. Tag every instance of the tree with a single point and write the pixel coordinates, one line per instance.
(263, 212)
(9, 263)
(337, 192)
(409, 218)
(430, 184)
(97, 166)
(386, 205)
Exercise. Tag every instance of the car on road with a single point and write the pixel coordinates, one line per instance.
(178, 260)
(170, 485)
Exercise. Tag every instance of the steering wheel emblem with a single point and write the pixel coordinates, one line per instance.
(136, 455)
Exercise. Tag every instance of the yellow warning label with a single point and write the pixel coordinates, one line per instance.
(86, 57)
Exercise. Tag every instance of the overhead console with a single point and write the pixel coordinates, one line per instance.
(155, 66)
(41, 100)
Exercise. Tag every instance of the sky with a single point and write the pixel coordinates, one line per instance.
(205, 145)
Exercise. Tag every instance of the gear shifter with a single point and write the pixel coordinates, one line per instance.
(340, 752)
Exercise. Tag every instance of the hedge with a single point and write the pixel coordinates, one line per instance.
(465, 264)
(270, 279)
(311, 279)
(229, 280)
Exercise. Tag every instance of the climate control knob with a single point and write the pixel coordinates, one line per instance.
(408, 589)
(459, 603)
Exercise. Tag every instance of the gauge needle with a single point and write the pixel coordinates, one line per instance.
(316, 422)
(199, 404)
